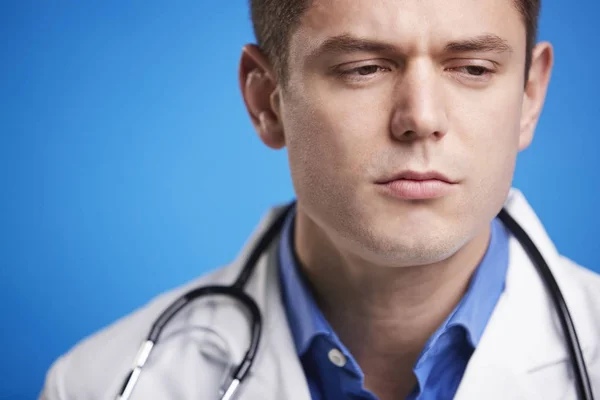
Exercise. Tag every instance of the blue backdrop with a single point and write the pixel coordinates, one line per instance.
(128, 164)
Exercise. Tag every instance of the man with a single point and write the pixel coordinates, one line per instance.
(392, 277)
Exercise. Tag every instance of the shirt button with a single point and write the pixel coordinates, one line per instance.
(337, 358)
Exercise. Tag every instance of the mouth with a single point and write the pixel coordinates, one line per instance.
(413, 185)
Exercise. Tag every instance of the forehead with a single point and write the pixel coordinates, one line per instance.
(414, 25)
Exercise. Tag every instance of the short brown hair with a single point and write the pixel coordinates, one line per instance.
(275, 20)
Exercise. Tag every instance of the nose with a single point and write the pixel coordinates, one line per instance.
(419, 109)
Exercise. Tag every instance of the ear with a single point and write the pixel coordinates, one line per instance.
(261, 96)
(535, 91)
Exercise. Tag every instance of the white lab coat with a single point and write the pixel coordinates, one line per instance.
(521, 355)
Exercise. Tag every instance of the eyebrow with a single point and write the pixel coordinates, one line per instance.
(350, 44)
(343, 44)
(482, 43)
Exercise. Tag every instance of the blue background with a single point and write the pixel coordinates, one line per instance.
(128, 164)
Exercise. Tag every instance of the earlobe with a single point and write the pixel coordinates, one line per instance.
(535, 91)
(259, 87)
(270, 131)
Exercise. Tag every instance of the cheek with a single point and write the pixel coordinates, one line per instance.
(329, 138)
(314, 153)
(490, 135)
(488, 123)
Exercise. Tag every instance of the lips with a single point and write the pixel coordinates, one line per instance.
(416, 176)
(412, 185)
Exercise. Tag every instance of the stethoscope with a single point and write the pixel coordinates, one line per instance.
(582, 380)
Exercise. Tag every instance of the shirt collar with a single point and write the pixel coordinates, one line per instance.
(304, 316)
(485, 288)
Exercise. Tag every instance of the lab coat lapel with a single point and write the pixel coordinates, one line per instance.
(276, 373)
(512, 342)
(523, 340)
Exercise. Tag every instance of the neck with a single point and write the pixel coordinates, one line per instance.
(384, 315)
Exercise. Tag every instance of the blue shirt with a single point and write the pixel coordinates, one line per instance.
(441, 364)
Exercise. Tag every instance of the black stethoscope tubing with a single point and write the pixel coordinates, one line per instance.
(582, 380)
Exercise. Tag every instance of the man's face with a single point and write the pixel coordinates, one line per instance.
(408, 85)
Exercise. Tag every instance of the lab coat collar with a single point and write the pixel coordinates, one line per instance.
(523, 335)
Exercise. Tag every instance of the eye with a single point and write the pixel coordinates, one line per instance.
(476, 70)
(366, 70)
(473, 71)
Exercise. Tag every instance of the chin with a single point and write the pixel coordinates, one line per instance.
(398, 242)
(418, 248)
